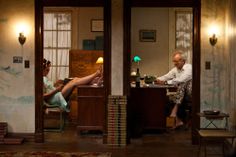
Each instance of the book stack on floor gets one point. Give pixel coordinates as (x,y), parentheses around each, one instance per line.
(4,139)
(117,132)
(3,131)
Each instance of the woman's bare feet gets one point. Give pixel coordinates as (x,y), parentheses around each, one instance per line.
(99,72)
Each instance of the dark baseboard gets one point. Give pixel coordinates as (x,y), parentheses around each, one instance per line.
(28,137)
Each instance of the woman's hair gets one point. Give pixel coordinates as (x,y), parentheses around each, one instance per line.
(46,63)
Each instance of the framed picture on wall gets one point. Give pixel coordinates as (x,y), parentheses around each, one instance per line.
(97,25)
(147,35)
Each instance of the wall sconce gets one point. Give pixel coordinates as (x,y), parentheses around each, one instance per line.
(213,40)
(22,38)
(213,30)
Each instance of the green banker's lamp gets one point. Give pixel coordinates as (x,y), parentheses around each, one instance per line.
(137,59)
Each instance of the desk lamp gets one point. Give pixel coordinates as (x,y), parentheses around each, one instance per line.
(99,60)
(137,59)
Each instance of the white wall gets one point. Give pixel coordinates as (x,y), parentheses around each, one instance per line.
(154,55)
(117,47)
(85,15)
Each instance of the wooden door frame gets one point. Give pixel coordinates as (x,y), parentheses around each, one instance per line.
(39,5)
(196,6)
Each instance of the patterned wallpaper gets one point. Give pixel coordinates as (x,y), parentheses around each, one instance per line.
(16,82)
(218,83)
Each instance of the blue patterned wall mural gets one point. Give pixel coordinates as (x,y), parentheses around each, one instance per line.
(17,100)
(218,82)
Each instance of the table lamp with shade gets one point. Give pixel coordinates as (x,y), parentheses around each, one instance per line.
(99,62)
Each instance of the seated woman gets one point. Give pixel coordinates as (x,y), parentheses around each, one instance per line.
(58,93)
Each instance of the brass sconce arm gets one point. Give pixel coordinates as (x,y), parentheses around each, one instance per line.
(22,38)
(213,40)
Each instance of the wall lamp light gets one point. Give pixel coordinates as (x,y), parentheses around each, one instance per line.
(213,32)
(22,38)
(213,40)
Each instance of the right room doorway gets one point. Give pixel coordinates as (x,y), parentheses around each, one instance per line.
(154,30)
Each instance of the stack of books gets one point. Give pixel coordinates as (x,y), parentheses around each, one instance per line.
(117,115)
(4,139)
(3,131)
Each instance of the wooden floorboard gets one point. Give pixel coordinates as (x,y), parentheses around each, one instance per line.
(165,144)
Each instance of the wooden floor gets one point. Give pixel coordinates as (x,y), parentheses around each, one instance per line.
(167,144)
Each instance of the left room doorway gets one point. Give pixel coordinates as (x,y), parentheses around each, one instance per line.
(77,38)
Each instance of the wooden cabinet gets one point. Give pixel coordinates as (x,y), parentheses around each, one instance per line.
(83,62)
(91,108)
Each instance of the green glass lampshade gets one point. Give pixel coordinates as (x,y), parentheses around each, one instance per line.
(136,59)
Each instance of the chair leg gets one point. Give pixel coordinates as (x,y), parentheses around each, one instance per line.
(200,146)
(205,149)
(223,146)
(62,121)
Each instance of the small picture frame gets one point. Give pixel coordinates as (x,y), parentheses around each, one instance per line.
(147,35)
(97,25)
(17,59)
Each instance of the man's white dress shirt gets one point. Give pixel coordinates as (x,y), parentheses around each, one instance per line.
(176,76)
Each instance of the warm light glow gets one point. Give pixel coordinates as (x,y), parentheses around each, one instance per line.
(213,29)
(22,27)
(99,60)
(213,33)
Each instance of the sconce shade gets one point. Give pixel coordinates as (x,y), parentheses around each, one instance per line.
(136,59)
(99,60)
(213,40)
(21,38)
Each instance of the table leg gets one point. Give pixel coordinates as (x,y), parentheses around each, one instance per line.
(200,145)
(211,122)
(205,148)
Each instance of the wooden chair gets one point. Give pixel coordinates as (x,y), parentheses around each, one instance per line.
(216,136)
(53,113)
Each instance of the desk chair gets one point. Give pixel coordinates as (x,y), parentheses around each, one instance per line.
(53,112)
(214,135)
(185,111)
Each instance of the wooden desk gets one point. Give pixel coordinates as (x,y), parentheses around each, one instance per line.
(91,108)
(146,109)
